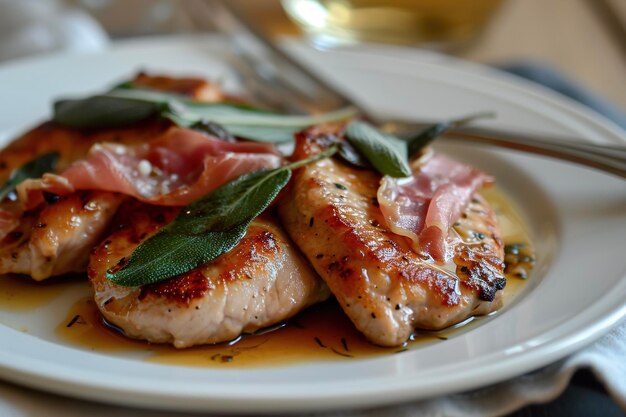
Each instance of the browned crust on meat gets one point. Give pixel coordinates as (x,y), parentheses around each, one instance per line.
(73,144)
(196,88)
(136,222)
(45,242)
(181,289)
(18,255)
(237,264)
(260,282)
(480,265)
(381,283)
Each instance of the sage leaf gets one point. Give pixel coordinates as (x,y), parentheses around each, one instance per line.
(234,203)
(206,228)
(213,129)
(253,124)
(417,142)
(385,152)
(133,91)
(203,230)
(104,111)
(168,254)
(32,169)
(124,106)
(352,156)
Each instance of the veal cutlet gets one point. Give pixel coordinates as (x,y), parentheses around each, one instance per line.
(262,281)
(55,237)
(386,288)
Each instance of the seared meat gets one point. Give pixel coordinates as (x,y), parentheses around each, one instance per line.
(262,281)
(196,88)
(57,236)
(69,232)
(386,288)
(56,239)
(73,144)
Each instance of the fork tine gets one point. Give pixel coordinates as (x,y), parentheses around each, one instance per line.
(273,73)
(285,80)
(256,89)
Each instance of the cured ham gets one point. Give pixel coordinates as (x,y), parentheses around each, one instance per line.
(424,207)
(50,229)
(173,170)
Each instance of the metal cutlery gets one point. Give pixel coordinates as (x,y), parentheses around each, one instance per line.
(276,80)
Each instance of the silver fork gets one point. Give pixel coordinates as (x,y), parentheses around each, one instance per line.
(276,80)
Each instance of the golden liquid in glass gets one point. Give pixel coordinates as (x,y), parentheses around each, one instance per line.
(443,23)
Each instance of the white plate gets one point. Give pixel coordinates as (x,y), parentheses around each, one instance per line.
(577,217)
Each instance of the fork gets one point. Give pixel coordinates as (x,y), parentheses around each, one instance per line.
(274,79)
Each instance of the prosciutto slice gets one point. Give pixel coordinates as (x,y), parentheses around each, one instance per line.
(424,207)
(173,170)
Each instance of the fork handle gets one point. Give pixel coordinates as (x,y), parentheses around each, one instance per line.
(293,85)
(611,159)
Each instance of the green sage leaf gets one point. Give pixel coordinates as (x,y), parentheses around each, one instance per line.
(352,156)
(385,152)
(32,169)
(122,107)
(104,111)
(130,90)
(417,142)
(253,124)
(203,230)
(206,228)
(168,254)
(214,129)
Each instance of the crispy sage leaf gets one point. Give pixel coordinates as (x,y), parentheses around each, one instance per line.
(32,169)
(103,111)
(214,129)
(426,136)
(122,107)
(253,124)
(203,230)
(385,152)
(206,228)
(352,156)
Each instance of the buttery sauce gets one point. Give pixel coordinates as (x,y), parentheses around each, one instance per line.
(21,293)
(322,332)
(514,233)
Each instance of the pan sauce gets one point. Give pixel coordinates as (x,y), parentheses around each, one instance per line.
(321,332)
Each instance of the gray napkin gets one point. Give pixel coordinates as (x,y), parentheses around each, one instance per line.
(551,78)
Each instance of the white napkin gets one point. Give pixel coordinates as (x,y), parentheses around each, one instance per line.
(606,358)
(34,26)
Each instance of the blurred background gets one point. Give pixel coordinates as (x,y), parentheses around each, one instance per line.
(583,40)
